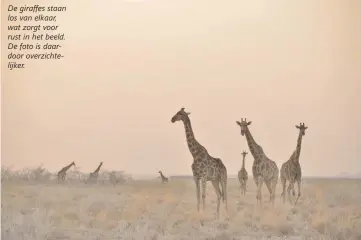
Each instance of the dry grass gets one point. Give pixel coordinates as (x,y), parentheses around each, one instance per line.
(327,209)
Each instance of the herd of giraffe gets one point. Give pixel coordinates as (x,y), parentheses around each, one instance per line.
(93,176)
(207,168)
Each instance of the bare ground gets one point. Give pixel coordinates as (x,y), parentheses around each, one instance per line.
(327,209)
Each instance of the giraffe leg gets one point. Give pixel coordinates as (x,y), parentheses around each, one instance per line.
(204,184)
(245,187)
(268,185)
(290,186)
(221,190)
(299,189)
(60,178)
(218,192)
(283,194)
(241,187)
(273,188)
(225,197)
(66,180)
(198,193)
(259,189)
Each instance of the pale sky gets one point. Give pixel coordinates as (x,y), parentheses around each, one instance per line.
(129,66)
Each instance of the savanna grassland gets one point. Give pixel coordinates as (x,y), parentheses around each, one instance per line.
(327,209)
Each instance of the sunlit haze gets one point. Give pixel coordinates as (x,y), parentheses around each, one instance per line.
(129,66)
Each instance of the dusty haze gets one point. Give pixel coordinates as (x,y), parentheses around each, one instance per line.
(130,66)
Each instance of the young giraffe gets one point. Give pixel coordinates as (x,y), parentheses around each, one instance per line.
(62,173)
(243,175)
(205,167)
(164,179)
(264,169)
(93,177)
(291,170)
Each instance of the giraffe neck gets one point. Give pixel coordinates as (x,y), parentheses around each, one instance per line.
(243,162)
(298,148)
(67,167)
(254,148)
(193,144)
(161,175)
(98,169)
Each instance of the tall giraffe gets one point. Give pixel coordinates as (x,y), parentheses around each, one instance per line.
(164,178)
(291,170)
(205,167)
(62,173)
(93,177)
(264,169)
(243,175)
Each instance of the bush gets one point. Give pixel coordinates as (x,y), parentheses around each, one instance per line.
(42,175)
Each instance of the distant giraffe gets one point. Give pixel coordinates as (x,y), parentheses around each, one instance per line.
(62,173)
(93,177)
(205,167)
(243,175)
(164,179)
(263,169)
(113,178)
(291,170)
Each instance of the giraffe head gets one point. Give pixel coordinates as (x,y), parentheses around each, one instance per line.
(181,115)
(244,125)
(159,171)
(302,128)
(244,153)
(72,163)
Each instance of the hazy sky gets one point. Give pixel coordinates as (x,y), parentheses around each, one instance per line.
(129,66)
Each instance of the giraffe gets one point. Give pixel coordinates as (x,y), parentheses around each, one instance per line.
(205,167)
(291,169)
(62,173)
(264,169)
(93,177)
(164,179)
(243,175)
(113,178)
